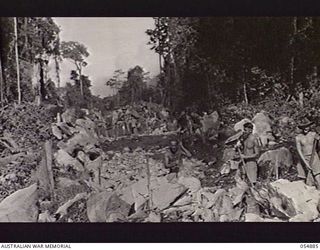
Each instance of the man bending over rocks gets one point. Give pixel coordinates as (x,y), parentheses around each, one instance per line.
(173,159)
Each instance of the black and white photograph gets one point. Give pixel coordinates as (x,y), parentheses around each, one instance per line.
(159,119)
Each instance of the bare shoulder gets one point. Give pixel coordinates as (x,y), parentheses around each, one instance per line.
(313,134)
(167,152)
(253,138)
(298,137)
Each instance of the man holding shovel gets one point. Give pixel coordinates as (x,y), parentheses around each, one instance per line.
(250,153)
(309,166)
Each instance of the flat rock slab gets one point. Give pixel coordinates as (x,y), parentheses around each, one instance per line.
(163,192)
(250,217)
(193,184)
(20,206)
(304,199)
(101,207)
(166,193)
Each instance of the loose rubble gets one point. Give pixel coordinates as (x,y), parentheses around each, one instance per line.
(84,182)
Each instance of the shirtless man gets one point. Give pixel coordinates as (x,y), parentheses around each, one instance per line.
(173,158)
(309,167)
(250,153)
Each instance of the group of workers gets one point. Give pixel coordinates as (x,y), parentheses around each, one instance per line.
(141,118)
(125,121)
(248,148)
(307,143)
(130,120)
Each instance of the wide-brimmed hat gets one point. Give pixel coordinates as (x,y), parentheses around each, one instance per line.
(305,123)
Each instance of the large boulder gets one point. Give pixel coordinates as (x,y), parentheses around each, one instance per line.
(263,128)
(107,207)
(21,206)
(88,125)
(65,160)
(269,199)
(304,199)
(239,125)
(262,122)
(78,142)
(278,158)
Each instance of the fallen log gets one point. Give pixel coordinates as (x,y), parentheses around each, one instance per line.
(63,210)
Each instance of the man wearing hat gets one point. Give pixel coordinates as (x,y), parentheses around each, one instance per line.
(309,166)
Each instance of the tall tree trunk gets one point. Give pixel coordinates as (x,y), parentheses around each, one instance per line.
(168,85)
(41,81)
(301,95)
(132,94)
(1,69)
(23,51)
(57,70)
(160,63)
(1,83)
(157,22)
(245,93)
(17,58)
(80,81)
(118,99)
(292,60)
(209,89)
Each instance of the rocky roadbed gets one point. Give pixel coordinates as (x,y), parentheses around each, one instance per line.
(81,178)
